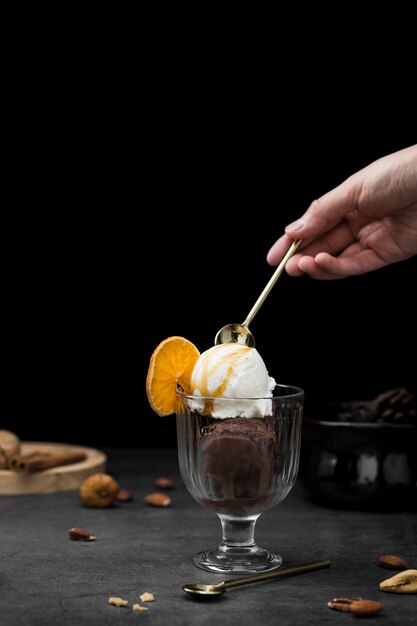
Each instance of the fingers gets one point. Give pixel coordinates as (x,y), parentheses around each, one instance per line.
(334,242)
(354,265)
(353,260)
(292,267)
(278,250)
(324,266)
(323,224)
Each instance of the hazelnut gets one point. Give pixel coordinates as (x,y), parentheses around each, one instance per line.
(98,490)
(9,447)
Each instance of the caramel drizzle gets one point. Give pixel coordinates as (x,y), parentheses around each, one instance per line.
(208,370)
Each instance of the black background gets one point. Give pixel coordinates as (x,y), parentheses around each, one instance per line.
(149,213)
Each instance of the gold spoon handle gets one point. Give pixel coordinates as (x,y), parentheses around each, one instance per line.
(286,571)
(293,248)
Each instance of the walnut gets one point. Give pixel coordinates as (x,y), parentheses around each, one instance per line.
(99,490)
(147,597)
(9,447)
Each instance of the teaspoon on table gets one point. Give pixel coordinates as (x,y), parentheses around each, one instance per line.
(202,589)
(240,333)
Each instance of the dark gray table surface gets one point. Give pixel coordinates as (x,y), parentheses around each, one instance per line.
(47,579)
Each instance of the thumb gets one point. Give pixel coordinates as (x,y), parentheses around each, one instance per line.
(325,212)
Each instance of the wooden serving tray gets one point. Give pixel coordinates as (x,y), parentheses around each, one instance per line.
(55,479)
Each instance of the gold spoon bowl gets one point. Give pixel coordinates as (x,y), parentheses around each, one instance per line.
(240,333)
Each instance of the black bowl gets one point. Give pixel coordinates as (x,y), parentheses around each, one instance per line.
(360,465)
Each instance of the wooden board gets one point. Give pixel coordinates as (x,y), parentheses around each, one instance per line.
(55,479)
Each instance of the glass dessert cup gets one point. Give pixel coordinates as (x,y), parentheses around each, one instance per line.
(239,467)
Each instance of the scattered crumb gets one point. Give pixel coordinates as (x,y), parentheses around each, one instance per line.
(138,607)
(118,602)
(147,597)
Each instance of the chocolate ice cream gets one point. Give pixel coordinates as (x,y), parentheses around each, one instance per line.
(239,465)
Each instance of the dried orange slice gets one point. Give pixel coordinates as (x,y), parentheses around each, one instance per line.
(171,365)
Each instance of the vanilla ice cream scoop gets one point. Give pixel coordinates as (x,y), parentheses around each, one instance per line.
(232,370)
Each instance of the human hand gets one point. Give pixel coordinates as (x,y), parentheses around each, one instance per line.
(365,223)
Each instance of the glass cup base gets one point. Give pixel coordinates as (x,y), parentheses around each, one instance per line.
(238,560)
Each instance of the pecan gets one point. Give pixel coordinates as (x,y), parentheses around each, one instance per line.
(342,604)
(366,607)
(403,582)
(164,483)
(79,534)
(390,561)
(124,495)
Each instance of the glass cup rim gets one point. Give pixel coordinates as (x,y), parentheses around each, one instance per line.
(298,392)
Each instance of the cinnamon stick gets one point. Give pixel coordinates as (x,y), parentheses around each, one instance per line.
(36,461)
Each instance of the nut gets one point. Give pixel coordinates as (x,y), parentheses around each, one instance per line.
(98,490)
(158,499)
(138,607)
(9,447)
(392,562)
(404,582)
(79,534)
(164,483)
(342,604)
(147,597)
(118,601)
(357,606)
(366,607)
(124,495)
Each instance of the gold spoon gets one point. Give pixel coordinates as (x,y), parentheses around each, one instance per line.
(201,589)
(240,333)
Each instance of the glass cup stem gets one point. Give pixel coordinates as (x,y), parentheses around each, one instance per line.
(238,551)
(237,532)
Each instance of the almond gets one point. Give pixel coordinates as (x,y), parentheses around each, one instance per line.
(389,561)
(158,499)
